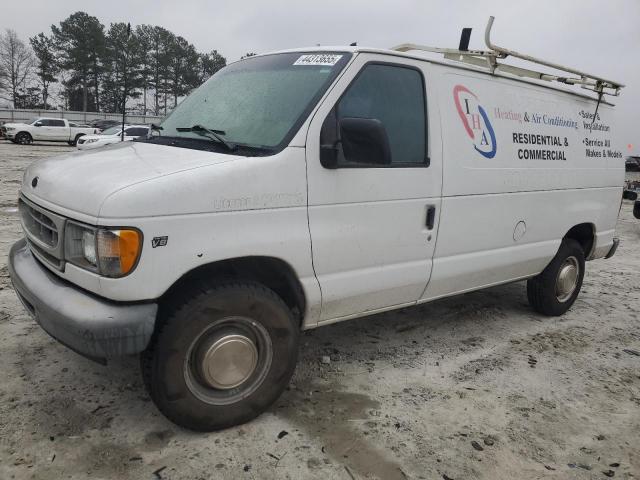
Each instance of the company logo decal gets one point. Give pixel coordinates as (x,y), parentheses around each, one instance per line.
(475,121)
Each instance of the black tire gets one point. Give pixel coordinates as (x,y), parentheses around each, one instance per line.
(547,293)
(195,325)
(24,138)
(74,142)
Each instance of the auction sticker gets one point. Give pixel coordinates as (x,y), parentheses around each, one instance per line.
(318,59)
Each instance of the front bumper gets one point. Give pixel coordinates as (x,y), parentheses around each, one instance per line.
(91,326)
(614,247)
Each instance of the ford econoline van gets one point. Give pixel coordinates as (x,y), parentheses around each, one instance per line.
(305,187)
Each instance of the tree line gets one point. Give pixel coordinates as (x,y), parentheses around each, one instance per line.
(88,65)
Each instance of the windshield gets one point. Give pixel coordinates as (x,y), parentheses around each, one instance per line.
(257,102)
(31,121)
(111,131)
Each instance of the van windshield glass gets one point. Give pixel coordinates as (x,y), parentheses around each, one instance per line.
(257,102)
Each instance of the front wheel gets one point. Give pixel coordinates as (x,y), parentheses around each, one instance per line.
(553,291)
(23,138)
(222,356)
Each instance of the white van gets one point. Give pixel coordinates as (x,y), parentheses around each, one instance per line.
(305,187)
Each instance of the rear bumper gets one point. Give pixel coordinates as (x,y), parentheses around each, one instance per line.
(91,326)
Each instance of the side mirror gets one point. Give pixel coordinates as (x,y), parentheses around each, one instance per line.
(629,195)
(38,124)
(636,209)
(365,141)
(329,141)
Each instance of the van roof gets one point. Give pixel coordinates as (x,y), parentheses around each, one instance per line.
(448,63)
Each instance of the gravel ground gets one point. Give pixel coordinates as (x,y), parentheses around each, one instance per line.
(476,386)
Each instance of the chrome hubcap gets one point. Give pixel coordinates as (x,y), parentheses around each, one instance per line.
(567,280)
(229,361)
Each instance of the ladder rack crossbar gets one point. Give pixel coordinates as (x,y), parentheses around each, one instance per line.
(489,59)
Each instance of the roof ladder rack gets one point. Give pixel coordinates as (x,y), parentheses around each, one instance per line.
(489,59)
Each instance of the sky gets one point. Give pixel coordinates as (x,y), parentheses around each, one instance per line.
(596,36)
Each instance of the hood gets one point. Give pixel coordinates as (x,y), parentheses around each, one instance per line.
(81,181)
(100,136)
(16,125)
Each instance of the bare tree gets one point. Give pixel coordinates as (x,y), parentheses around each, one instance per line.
(16,65)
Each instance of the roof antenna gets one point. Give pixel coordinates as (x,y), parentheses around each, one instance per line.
(354,44)
(464,40)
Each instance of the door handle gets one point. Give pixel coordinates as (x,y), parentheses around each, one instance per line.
(431,216)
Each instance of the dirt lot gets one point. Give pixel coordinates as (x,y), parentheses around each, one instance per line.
(476,386)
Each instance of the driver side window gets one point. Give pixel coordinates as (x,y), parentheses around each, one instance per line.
(394,97)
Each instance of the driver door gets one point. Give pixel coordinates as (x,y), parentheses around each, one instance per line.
(373,226)
(42,130)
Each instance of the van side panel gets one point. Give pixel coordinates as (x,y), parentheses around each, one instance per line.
(522,165)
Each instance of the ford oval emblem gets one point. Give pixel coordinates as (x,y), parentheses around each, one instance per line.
(34,182)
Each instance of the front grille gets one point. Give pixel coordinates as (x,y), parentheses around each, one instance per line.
(44,231)
(39,225)
(42,254)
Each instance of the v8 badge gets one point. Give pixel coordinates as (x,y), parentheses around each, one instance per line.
(159,241)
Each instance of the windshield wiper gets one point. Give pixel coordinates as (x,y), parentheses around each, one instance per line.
(209,133)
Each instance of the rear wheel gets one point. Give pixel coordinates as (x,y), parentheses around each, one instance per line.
(222,356)
(554,290)
(23,138)
(74,142)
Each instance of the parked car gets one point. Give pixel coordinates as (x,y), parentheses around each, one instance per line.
(102,124)
(46,129)
(300,188)
(112,135)
(632,164)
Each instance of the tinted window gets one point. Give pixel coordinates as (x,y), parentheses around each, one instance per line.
(53,123)
(135,132)
(395,96)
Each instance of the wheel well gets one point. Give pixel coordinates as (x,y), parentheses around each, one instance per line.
(584,234)
(272,272)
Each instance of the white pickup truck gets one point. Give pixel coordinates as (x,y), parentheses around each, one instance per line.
(46,129)
(301,188)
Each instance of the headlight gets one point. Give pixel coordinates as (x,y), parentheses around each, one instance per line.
(91,140)
(9,129)
(108,252)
